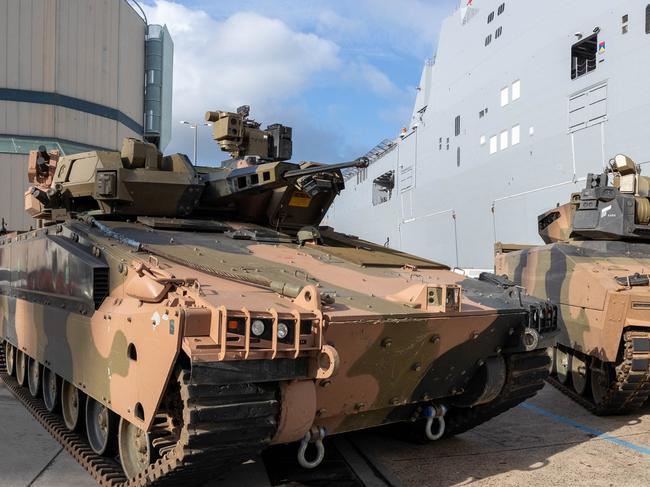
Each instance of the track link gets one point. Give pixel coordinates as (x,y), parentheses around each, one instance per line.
(630,388)
(526,373)
(222,426)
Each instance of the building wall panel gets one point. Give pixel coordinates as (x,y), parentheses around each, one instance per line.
(4,36)
(24,37)
(13,174)
(13,44)
(130,54)
(87,50)
(49,45)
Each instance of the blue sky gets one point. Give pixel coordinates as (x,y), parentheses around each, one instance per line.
(343,74)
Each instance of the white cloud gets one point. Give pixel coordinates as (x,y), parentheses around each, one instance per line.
(268,54)
(378,28)
(245,59)
(368,76)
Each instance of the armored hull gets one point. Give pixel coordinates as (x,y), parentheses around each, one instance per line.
(197,342)
(602,355)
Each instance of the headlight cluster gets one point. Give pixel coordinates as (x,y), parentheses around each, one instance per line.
(258,327)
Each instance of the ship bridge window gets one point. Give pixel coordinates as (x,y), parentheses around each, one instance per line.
(503,140)
(647,19)
(493,144)
(488,40)
(515,135)
(498,32)
(516,90)
(457,126)
(583,56)
(382,188)
(501,9)
(505,96)
(490,17)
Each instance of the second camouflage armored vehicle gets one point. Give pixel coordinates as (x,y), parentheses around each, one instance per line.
(188,317)
(595,267)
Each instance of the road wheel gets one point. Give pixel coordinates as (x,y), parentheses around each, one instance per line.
(579,374)
(21,367)
(101,427)
(601,379)
(51,389)
(562,366)
(72,400)
(10,358)
(34,370)
(136,450)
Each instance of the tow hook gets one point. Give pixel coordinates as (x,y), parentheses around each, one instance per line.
(435,414)
(314,435)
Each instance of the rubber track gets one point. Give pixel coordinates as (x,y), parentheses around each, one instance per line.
(526,373)
(206,450)
(631,388)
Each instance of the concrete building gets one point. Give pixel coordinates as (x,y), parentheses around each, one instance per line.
(73,77)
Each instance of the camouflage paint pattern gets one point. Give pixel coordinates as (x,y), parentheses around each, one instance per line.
(580,278)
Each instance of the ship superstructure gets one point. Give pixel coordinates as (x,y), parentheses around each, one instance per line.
(520,102)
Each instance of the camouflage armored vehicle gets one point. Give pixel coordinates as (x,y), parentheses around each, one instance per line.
(595,266)
(188,317)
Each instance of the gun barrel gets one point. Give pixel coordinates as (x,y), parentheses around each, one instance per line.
(299,173)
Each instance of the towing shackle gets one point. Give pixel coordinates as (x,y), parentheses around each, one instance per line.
(314,435)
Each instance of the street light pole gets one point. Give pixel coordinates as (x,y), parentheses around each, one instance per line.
(195,126)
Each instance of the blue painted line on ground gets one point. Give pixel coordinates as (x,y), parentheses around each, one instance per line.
(587,429)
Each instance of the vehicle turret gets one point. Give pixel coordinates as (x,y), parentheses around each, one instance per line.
(614,205)
(258,186)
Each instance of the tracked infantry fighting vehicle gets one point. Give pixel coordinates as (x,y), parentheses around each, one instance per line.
(595,266)
(188,317)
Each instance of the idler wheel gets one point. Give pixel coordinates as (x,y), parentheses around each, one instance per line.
(601,379)
(562,366)
(136,450)
(101,427)
(579,374)
(10,358)
(21,367)
(72,401)
(51,390)
(34,370)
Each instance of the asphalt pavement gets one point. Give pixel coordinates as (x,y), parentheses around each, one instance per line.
(547,441)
